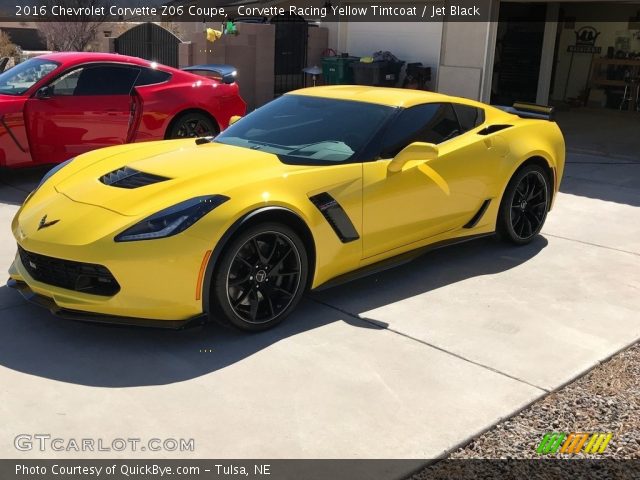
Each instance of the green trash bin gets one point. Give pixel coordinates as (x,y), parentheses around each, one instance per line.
(336,71)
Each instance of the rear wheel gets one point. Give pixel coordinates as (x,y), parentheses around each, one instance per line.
(524,205)
(191,125)
(261,277)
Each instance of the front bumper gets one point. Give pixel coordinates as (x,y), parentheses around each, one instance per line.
(49,304)
(158,284)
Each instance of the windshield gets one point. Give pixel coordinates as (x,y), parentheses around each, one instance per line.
(23,76)
(301,129)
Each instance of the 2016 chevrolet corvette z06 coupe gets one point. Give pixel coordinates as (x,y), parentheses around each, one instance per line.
(312,187)
(57,106)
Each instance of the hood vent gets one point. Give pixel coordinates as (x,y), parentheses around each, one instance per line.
(126,177)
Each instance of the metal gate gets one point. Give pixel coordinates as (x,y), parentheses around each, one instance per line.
(290,52)
(151,42)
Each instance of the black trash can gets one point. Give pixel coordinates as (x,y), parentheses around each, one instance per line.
(380,74)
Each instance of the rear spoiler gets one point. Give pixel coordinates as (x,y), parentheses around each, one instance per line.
(227,73)
(531,110)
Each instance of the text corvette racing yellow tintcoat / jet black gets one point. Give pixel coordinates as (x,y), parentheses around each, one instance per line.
(315,186)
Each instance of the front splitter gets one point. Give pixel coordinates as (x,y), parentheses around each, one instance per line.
(77,315)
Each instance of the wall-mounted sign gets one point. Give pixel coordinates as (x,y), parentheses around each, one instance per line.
(585,41)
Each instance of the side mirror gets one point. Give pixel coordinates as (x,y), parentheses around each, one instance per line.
(44,92)
(415,151)
(234,119)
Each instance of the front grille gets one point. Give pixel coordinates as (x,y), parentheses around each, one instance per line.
(126,177)
(81,277)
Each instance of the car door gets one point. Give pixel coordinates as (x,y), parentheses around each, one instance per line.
(429,197)
(86,108)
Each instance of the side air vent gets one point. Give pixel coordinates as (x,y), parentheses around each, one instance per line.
(478,215)
(493,129)
(126,177)
(335,216)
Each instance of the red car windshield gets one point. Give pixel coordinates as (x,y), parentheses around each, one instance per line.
(23,76)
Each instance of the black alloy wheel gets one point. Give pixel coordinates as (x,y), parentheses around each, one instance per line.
(192,125)
(525,205)
(263,275)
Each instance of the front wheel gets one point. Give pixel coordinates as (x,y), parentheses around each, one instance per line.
(524,205)
(261,277)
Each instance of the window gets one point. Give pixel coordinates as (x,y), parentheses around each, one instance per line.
(150,76)
(469,117)
(431,123)
(308,130)
(97,80)
(66,84)
(22,77)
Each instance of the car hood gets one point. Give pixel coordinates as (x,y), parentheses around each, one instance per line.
(190,170)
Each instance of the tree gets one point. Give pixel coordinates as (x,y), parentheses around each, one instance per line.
(7,47)
(73,36)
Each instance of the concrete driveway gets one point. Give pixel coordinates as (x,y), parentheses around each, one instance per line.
(405,364)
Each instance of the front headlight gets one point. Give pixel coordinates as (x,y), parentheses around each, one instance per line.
(172,220)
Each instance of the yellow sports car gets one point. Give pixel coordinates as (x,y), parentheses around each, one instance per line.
(313,187)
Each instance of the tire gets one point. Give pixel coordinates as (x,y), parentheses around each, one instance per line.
(261,277)
(192,125)
(524,205)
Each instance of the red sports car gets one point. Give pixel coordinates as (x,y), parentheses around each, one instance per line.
(54,107)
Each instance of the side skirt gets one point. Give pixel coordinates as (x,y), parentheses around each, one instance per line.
(395,261)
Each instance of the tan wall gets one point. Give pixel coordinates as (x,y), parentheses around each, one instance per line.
(317,43)
(251,52)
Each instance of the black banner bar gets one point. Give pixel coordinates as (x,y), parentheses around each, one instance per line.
(543,468)
(218,11)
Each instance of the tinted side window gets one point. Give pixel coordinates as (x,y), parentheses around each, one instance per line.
(106,80)
(66,84)
(469,117)
(149,76)
(431,123)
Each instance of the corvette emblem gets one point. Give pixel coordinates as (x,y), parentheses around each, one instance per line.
(44,224)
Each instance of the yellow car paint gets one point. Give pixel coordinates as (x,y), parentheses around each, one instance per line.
(162,279)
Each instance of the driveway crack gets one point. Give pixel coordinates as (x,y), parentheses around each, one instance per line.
(591,244)
(385,326)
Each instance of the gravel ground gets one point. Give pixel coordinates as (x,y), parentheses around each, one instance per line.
(607,399)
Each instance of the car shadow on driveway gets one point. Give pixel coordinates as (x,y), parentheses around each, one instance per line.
(37,343)
(15,185)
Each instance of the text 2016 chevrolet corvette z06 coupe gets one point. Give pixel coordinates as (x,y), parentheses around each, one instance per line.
(320,183)
(54,107)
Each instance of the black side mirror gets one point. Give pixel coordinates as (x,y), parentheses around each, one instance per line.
(44,92)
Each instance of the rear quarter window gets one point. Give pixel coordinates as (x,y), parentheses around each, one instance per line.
(468,117)
(150,76)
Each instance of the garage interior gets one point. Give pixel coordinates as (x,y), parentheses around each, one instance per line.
(571,55)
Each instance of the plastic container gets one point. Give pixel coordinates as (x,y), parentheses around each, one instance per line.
(336,71)
(381,74)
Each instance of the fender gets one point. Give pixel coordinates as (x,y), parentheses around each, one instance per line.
(217,250)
